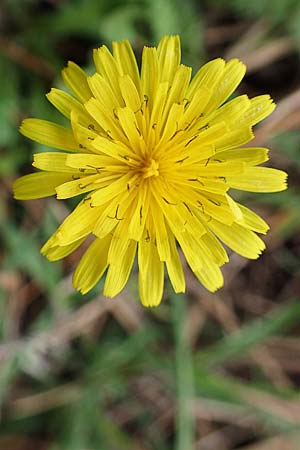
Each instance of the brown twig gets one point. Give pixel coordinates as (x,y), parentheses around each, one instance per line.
(26,59)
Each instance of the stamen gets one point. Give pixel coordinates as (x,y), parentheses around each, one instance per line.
(169,203)
(215,202)
(180,161)
(188,208)
(147,238)
(191,140)
(141,215)
(98,169)
(151,170)
(116,215)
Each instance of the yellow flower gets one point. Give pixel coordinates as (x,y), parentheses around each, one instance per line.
(155,152)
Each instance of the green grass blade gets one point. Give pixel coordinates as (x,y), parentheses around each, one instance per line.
(236,344)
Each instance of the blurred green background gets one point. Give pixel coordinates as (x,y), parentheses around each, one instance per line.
(203,371)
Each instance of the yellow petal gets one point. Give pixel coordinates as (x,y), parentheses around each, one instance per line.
(38,185)
(108,68)
(239,239)
(78,185)
(207,136)
(64,102)
(219,169)
(178,88)
(52,161)
(252,221)
(120,241)
(151,273)
(217,250)
(78,224)
(113,189)
(140,212)
(112,213)
(105,118)
(116,150)
(169,54)
(51,243)
(214,185)
(91,162)
(176,214)
(234,138)
(149,75)
(207,76)
(210,276)
(191,248)
(234,208)
(130,127)
(130,93)
(231,111)
(85,134)
(117,214)
(232,75)
(259,108)
(161,233)
(214,205)
(195,107)
(174,267)
(119,269)
(49,134)
(76,80)
(155,127)
(92,265)
(248,155)
(259,179)
(171,125)
(125,59)
(59,252)
(103,92)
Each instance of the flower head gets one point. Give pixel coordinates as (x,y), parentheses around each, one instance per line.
(155,153)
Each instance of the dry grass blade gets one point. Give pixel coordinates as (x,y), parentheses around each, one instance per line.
(276,443)
(267,54)
(26,59)
(285,109)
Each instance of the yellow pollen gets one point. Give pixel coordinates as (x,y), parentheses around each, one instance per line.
(151,169)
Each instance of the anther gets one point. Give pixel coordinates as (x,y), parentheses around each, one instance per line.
(169,203)
(180,161)
(191,140)
(188,208)
(116,215)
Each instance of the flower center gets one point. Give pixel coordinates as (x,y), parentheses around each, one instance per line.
(150,169)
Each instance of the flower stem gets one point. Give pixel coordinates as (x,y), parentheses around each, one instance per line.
(185,422)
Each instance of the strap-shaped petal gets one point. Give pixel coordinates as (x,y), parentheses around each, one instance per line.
(259,179)
(210,276)
(174,267)
(38,185)
(239,239)
(76,80)
(92,265)
(126,61)
(49,133)
(151,272)
(120,266)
